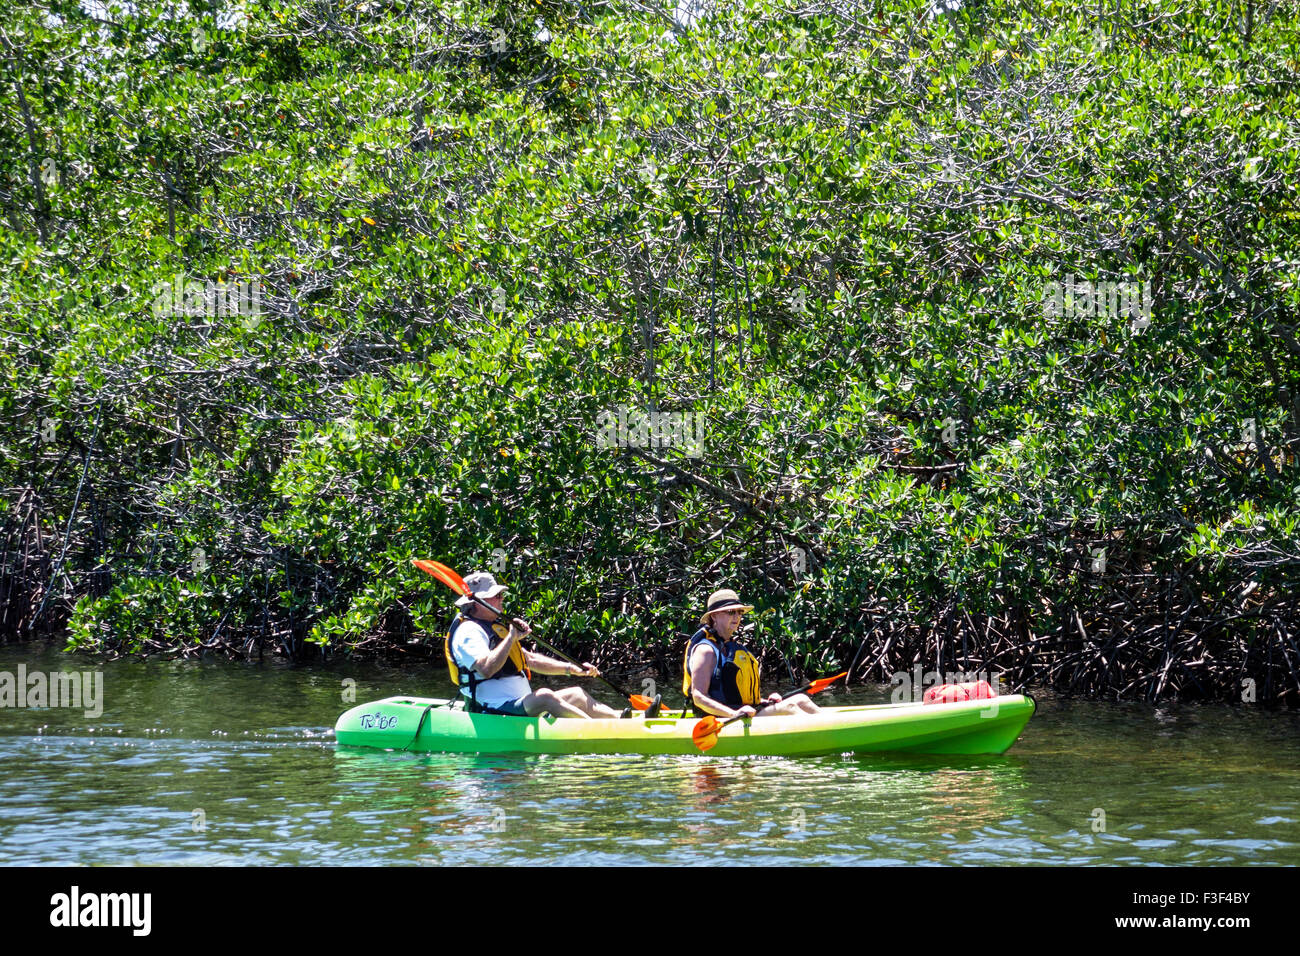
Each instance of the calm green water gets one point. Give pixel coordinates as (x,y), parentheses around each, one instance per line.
(251,746)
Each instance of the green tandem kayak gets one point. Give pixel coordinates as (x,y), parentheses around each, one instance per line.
(426,724)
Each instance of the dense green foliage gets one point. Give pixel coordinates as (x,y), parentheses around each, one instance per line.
(827,229)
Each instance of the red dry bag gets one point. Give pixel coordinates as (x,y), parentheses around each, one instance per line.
(952,693)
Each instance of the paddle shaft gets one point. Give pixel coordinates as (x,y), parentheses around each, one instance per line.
(705,734)
(798,690)
(537,640)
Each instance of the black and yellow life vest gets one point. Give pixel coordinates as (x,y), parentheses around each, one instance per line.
(736,673)
(469,679)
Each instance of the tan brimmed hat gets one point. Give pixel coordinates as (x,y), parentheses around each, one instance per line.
(724,600)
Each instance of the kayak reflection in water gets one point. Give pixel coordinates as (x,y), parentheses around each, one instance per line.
(492,670)
(720,676)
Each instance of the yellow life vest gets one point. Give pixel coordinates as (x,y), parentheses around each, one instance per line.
(463,678)
(736,677)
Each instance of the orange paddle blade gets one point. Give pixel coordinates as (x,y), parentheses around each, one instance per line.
(444,574)
(640,703)
(820,685)
(705,734)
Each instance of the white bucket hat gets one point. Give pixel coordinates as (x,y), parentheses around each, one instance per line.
(481,584)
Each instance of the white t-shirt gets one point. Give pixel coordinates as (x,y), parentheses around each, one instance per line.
(469,643)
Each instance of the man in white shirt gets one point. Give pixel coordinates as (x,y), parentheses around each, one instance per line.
(492,666)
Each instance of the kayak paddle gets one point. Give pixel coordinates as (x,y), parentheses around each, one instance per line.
(454,581)
(707,728)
